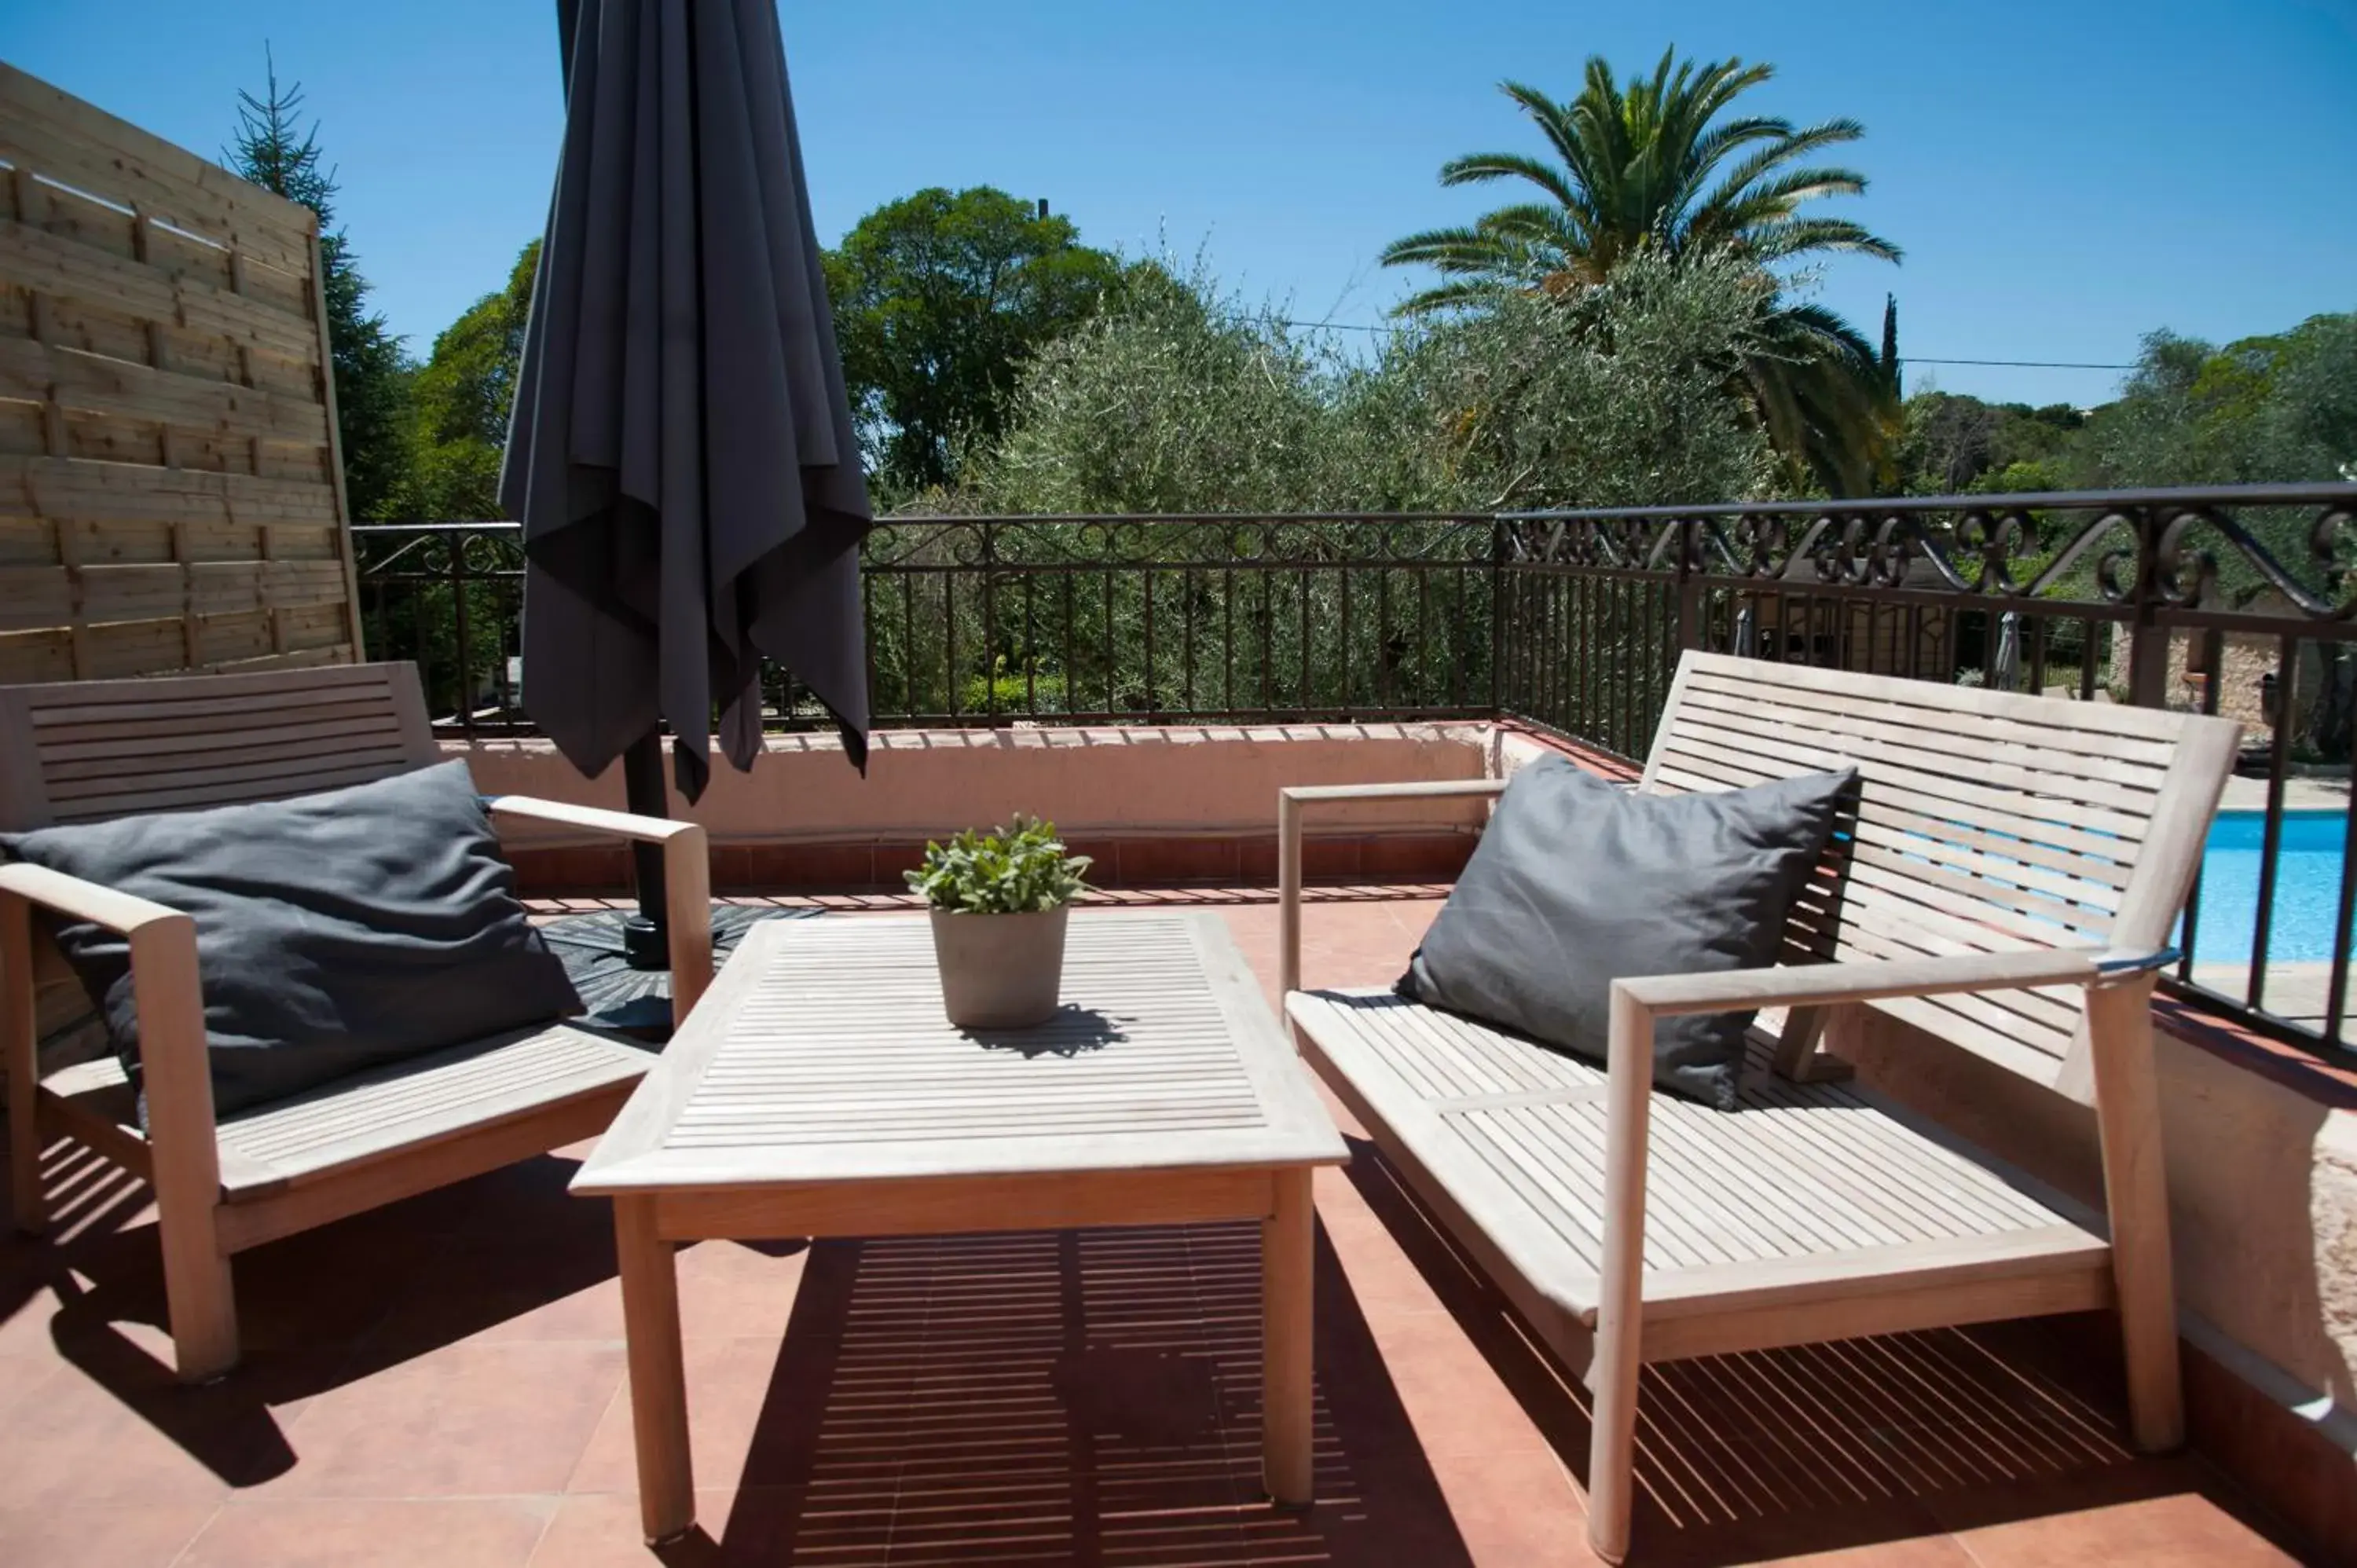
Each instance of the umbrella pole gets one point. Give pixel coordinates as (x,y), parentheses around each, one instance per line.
(645,942)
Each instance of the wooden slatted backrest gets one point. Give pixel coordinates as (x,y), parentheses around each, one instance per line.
(1986,821)
(86,751)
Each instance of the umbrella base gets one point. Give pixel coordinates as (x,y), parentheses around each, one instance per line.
(645,944)
(617,992)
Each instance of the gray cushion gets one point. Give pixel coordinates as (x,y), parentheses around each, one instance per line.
(335,932)
(1575,883)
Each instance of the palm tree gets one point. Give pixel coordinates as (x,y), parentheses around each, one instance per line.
(1653,166)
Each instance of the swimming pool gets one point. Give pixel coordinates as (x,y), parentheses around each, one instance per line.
(2307,892)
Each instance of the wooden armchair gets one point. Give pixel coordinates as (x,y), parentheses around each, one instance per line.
(2009,881)
(90,751)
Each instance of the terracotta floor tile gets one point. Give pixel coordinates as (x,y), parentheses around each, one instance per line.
(738,1290)
(764,1528)
(115,1428)
(120,1536)
(1516,1509)
(1891,1534)
(2153,1512)
(1453,1399)
(468,1419)
(283,1532)
(730,1384)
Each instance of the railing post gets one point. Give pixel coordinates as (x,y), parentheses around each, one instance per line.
(464,633)
(1497,617)
(1690,588)
(2147,639)
(989,626)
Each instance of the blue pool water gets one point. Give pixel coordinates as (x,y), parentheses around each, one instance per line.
(2307,892)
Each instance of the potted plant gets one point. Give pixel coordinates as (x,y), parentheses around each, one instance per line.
(1000,903)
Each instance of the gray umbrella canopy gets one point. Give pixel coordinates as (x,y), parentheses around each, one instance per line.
(682,454)
(2005,669)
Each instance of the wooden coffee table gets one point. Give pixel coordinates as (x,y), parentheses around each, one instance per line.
(817,1090)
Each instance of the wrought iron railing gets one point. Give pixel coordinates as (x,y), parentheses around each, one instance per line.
(1045,619)
(2239,600)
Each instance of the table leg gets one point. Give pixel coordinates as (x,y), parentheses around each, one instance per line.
(1287,1252)
(657,1377)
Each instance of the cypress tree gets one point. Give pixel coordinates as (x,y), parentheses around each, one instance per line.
(1891,344)
(372,374)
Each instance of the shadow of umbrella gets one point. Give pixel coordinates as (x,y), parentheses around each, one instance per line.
(621,994)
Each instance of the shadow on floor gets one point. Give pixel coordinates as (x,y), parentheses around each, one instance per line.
(316,1311)
(1822,1448)
(1074,1397)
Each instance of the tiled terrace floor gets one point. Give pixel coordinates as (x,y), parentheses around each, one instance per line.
(441,1383)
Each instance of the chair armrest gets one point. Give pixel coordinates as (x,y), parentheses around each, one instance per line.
(687,881)
(1821,984)
(174,1069)
(1289,803)
(126,914)
(590,819)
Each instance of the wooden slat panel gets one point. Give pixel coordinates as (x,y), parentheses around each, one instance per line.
(1825,749)
(52,264)
(100,384)
(318,1137)
(164,403)
(195,797)
(1836,708)
(83,145)
(2099,718)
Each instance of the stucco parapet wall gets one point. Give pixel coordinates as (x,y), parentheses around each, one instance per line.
(1176,780)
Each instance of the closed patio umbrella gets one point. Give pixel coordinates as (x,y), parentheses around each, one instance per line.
(681,453)
(2004,667)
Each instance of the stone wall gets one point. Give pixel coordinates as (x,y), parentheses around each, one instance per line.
(2247,659)
(1152,804)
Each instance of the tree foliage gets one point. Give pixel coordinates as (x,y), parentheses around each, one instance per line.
(939,300)
(461,401)
(2281,407)
(1177,399)
(272,149)
(1950,445)
(1660,166)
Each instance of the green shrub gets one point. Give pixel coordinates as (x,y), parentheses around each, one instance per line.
(1008,690)
(1019,869)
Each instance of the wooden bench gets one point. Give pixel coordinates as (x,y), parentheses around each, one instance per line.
(88,751)
(2012,873)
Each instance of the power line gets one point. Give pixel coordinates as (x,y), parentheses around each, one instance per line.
(2023,364)
(1904,358)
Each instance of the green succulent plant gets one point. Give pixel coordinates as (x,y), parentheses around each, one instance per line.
(1019,869)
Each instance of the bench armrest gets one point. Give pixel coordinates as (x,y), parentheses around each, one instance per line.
(1824,984)
(1628,1063)
(1289,803)
(688,880)
(174,1071)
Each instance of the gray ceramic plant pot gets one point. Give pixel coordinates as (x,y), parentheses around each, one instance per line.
(1000,971)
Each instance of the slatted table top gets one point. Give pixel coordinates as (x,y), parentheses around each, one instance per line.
(821,1055)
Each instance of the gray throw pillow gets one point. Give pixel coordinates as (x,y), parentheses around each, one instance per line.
(1575,883)
(335,932)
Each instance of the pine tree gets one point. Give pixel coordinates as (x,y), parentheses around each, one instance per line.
(371,373)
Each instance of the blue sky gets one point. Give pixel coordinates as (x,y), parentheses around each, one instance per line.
(2064,176)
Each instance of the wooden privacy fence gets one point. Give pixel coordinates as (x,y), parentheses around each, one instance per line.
(171,495)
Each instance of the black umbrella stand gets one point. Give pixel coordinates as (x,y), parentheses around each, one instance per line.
(619,960)
(645,940)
